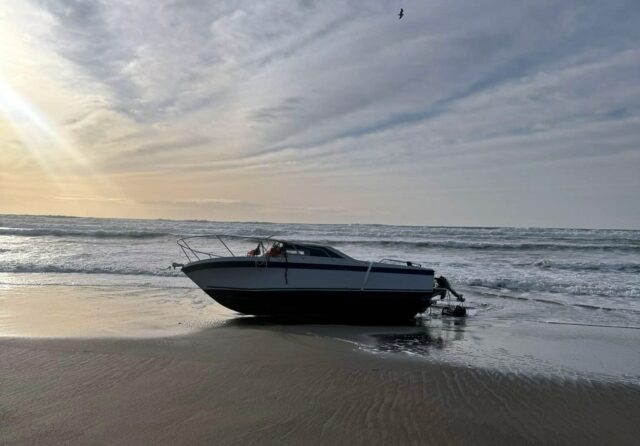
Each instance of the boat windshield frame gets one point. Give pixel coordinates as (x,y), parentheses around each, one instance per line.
(264,246)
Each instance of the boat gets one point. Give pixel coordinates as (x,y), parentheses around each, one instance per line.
(285,278)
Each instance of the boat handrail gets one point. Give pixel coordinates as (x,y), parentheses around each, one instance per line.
(195,253)
(404,262)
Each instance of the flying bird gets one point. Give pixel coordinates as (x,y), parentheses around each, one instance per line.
(401,14)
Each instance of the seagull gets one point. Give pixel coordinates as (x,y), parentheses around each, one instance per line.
(401,14)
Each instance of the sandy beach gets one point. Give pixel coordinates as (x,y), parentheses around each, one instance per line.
(249,382)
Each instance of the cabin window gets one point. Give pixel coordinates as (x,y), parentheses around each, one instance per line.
(334,254)
(311,251)
(317,252)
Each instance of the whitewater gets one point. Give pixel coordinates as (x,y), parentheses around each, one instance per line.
(556,271)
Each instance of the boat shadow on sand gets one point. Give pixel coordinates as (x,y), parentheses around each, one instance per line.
(417,337)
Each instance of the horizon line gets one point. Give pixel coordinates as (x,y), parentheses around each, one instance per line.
(327,224)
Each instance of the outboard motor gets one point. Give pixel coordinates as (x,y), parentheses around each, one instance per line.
(450,310)
(443,283)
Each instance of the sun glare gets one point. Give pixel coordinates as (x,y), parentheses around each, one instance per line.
(35,131)
(46,143)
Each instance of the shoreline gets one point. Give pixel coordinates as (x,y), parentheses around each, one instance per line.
(229,385)
(494,336)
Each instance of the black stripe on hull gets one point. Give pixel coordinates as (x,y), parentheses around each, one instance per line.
(356,304)
(292,265)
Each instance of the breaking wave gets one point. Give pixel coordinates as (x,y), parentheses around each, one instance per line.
(99,233)
(540,285)
(586,266)
(489,246)
(34,268)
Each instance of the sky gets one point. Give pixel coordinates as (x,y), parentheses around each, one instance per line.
(462,113)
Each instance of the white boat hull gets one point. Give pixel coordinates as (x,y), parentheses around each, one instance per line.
(300,285)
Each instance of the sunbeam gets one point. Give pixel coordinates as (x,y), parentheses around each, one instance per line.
(38,135)
(46,144)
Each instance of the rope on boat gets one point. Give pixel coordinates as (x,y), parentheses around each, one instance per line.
(286,266)
(366,276)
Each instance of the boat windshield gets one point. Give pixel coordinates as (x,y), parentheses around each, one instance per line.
(209,246)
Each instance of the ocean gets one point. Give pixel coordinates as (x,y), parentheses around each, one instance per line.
(542,276)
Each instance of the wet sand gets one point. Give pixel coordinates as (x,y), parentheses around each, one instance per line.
(91,365)
(233,385)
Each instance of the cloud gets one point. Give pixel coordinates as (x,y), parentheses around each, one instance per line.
(270,114)
(356,76)
(93,198)
(223,202)
(156,148)
(291,90)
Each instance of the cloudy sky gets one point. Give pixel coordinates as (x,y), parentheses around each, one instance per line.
(465,112)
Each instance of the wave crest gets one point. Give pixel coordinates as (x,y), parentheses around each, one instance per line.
(544,286)
(34,268)
(99,233)
(586,266)
(489,246)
